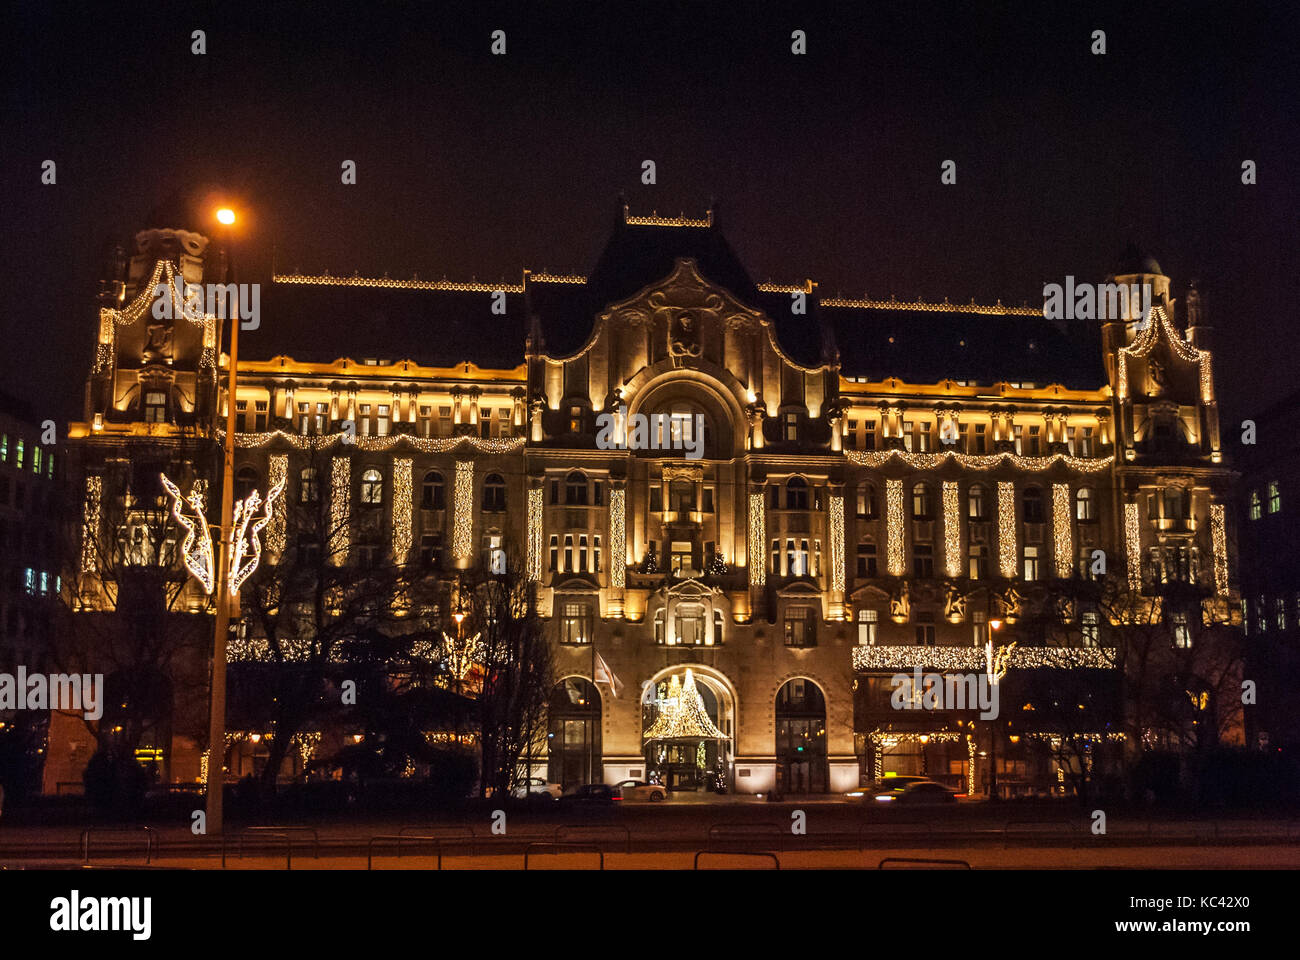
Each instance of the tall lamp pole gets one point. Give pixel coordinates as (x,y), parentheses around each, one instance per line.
(993,730)
(217,716)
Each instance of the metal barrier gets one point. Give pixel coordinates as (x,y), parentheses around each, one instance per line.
(397,838)
(281,832)
(1070,825)
(151,844)
(595,828)
(933,863)
(741,831)
(551,847)
(764,854)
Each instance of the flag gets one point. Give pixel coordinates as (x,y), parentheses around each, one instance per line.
(606,675)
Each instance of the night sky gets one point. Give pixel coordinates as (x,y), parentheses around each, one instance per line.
(824,166)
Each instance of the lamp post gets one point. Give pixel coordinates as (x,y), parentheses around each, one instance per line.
(217,709)
(993,732)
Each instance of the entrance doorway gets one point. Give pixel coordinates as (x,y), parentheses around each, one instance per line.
(573,733)
(800,738)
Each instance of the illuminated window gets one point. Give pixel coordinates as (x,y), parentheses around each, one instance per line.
(575,623)
(907,436)
(1261,615)
(322,417)
(977,500)
(922,436)
(494,556)
(790,423)
(796,494)
(1182,635)
(1085,442)
(382,420)
(363,425)
(979,562)
(1032,504)
(981,438)
(4,447)
(575,489)
(1279,609)
(979,627)
(595,554)
(575,419)
(1031,563)
(796,555)
(1019,435)
(1255,510)
(689,622)
(800,627)
(1085,504)
(432,492)
(1274,496)
(49,465)
(866,501)
(372,488)
(868,624)
(155,408)
(494,493)
(776,557)
(308,487)
(922,502)
(554,553)
(1090,629)
(1035,445)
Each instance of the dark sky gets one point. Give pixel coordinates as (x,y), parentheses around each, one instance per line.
(824,166)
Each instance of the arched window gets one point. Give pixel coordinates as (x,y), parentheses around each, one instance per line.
(432,492)
(796,494)
(245,482)
(1085,504)
(922,502)
(1032,504)
(372,488)
(575,489)
(494,493)
(867,500)
(659,626)
(977,501)
(308,488)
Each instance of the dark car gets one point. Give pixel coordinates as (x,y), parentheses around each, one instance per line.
(592,793)
(925,792)
(886,787)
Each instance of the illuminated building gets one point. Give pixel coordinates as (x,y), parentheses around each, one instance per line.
(879,480)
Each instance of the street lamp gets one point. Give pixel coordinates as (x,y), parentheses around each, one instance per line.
(993,733)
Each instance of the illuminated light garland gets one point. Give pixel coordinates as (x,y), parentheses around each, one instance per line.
(757,541)
(380,444)
(307,744)
(835,505)
(402,500)
(654,220)
(110,319)
(931,461)
(894,558)
(951,528)
(462,537)
(1055,739)
(325,280)
(975,659)
(257,649)
(682,714)
(617,537)
(340,539)
(244,541)
(90,511)
(1007,528)
(769,287)
(535,533)
(970,766)
(1219,535)
(1133,545)
(1146,341)
(1062,532)
(997,309)
(277,475)
(880,739)
(196,548)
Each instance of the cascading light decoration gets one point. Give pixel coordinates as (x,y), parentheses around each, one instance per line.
(90,523)
(462,537)
(535,533)
(894,558)
(277,475)
(617,537)
(757,538)
(402,500)
(245,547)
(196,548)
(164,275)
(974,659)
(1007,528)
(835,504)
(340,538)
(1219,536)
(951,529)
(1062,532)
(1133,545)
(1147,340)
(380,444)
(880,739)
(970,766)
(972,461)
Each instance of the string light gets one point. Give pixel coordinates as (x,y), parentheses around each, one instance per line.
(757,538)
(657,221)
(90,523)
(836,507)
(997,309)
(970,766)
(1133,545)
(244,541)
(968,659)
(462,542)
(1219,534)
(1007,528)
(402,498)
(535,533)
(1062,532)
(951,528)
(381,444)
(682,714)
(277,475)
(991,461)
(110,319)
(196,548)
(894,528)
(617,537)
(340,510)
(1146,341)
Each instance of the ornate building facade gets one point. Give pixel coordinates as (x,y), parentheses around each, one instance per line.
(880,485)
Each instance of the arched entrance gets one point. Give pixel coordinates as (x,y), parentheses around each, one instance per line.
(573,733)
(800,738)
(687,728)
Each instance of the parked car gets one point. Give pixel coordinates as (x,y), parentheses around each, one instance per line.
(925,792)
(888,786)
(640,790)
(592,793)
(537,787)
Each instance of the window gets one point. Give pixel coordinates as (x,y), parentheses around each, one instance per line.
(681,496)
(1085,442)
(981,438)
(866,559)
(689,623)
(790,426)
(800,627)
(868,624)
(595,554)
(4,447)
(555,553)
(598,493)
(494,493)
(1182,635)
(907,435)
(979,562)
(1031,563)
(308,488)
(923,561)
(979,627)
(575,623)
(868,434)
(155,409)
(1279,608)
(245,482)
(963,441)
(1035,445)
(925,629)
(1032,503)
(776,558)
(36,464)
(372,488)
(851,431)
(19,461)
(1019,434)
(922,502)
(568,552)
(494,555)
(922,435)
(1261,615)
(322,416)
(977,501)
(367,556)
(259,414)
(866,500)
(707,505)
(575,489)
(659,626)
(1254,505)
(1173,503)
(796,494)
(1274,496)
(363,418)
(432,492)
(1085,505)
(431,550)
(1090,629)
(582,553)
(308,550)
(575,419)
(796,557)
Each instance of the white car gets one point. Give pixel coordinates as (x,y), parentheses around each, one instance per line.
(640,790)
(537,787)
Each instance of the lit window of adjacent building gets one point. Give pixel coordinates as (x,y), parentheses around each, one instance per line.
(1255,510)
(979,562)
(868,625)
(1182,635)
(1090,629)
(1261,615)
(790,423)
(1031,563)
(19,455)
(4,447)
(36,464)
(155,409)
(800,627)
(977,500)
(1279,609)
(575,623)
(372,488)
(1274,496)
(49,465)
(1085,504)
(922,502)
